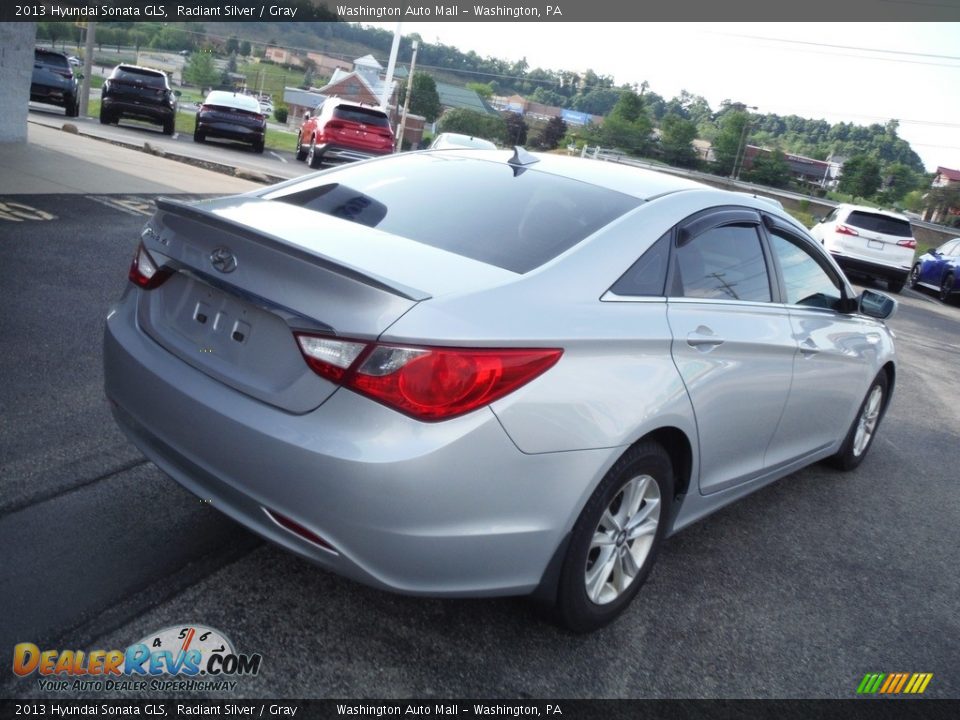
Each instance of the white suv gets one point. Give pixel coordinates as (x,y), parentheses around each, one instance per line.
(871,242)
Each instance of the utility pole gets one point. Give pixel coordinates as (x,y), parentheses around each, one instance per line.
(406,100)
(391,63)
(742,145)
(91,29)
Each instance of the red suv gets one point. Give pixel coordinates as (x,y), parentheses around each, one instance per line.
(345,131)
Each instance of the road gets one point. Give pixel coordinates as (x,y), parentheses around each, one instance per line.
(796,591)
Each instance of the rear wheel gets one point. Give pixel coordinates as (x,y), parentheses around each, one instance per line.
(198,137)
(71,106)
(946,287)
(314,156)
(105,117)
(169,127)
(895,286)
(615,540)
(860,436)
(258,146)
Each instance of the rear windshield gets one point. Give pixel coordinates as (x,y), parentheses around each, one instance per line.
(361,115)
(513,218)
(879,223)
(54,60)
(150,78)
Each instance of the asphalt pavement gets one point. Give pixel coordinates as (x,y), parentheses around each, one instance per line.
(794,592)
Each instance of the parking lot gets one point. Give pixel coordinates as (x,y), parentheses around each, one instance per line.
(797,591)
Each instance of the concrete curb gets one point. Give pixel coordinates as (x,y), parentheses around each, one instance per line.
(223,168)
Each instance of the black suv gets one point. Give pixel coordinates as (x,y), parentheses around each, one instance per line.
(141,93)
(53,81)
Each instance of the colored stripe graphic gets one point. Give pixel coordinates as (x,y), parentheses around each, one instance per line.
(894,683)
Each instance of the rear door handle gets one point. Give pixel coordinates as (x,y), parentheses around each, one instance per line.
(808,347)
(703,339)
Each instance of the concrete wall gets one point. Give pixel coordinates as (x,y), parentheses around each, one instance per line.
(16,68)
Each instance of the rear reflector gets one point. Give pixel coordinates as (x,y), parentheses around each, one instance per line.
(426,383)
(911,243)
(298,529)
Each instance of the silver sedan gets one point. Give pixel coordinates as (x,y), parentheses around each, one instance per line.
(472,373)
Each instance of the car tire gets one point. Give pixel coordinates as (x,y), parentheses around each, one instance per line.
(258,146)
(169,127)
(105,118)
(314,158)
(71,106)
(198,137)
(301,151)
(604,566)
(895,286)
(946,287)
(914,279)
(864,428)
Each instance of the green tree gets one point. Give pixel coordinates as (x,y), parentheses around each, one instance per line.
(233,45)
(424,98)
(727,144)
(471,122)
(551,134)
(516,129)
(676,137)
(770,169)
(484,90)
(199,70)
(245,48)
(860,176)
(628,126)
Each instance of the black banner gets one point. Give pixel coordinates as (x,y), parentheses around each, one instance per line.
(568,709)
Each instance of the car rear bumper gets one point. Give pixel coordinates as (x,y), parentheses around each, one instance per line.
(332,151)
(451,508)
(231,132)
(873,269)
(156,113)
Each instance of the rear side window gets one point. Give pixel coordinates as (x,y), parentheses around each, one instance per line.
(139,75)
(648,275)
(879,223)
(723,263)
(54,60)
(513,218)
(367,116)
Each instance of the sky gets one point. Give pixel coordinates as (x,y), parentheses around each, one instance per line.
(863,73)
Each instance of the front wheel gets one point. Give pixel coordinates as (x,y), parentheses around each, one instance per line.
(860,435)
(915,275)
(71,106)
(946,287)
(301,150)
(169,127)
(615,540)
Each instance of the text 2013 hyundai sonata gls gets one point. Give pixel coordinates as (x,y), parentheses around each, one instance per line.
(477,373)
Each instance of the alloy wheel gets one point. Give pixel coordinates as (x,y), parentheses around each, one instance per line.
(622,539)
(867,423)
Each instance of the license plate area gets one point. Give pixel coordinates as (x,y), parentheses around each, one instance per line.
(875,244)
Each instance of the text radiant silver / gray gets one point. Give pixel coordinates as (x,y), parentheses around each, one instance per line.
(471,373)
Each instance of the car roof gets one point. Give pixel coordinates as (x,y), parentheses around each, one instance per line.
(873,210)
(46,51)
(627,179)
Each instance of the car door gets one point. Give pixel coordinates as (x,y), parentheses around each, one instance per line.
(733,347)
(932,271)
(833,368)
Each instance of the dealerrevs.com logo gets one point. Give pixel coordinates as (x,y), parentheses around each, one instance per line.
(200,658)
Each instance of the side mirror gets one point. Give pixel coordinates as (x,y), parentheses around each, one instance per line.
(876,305)
(817,218)
(306,115)
(178,93)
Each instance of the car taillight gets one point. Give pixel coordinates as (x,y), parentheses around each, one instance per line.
(846,230)
(335,125)
(205,108)
(144,271)
(427,383)
(911,243)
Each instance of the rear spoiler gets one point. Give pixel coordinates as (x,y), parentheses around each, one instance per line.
(198,214)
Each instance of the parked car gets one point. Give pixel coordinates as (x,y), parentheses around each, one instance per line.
(938,270)
(141,93)
(231,116)
(74,61)
(876,243)
(468,373)
(266,108)
(53,81)
(341,130)
(456,140)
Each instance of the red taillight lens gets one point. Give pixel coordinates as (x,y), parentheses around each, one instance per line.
(846,230)
(427,383)
(911,243)
(144,271)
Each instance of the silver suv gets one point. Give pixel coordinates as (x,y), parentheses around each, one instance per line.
(871,242)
